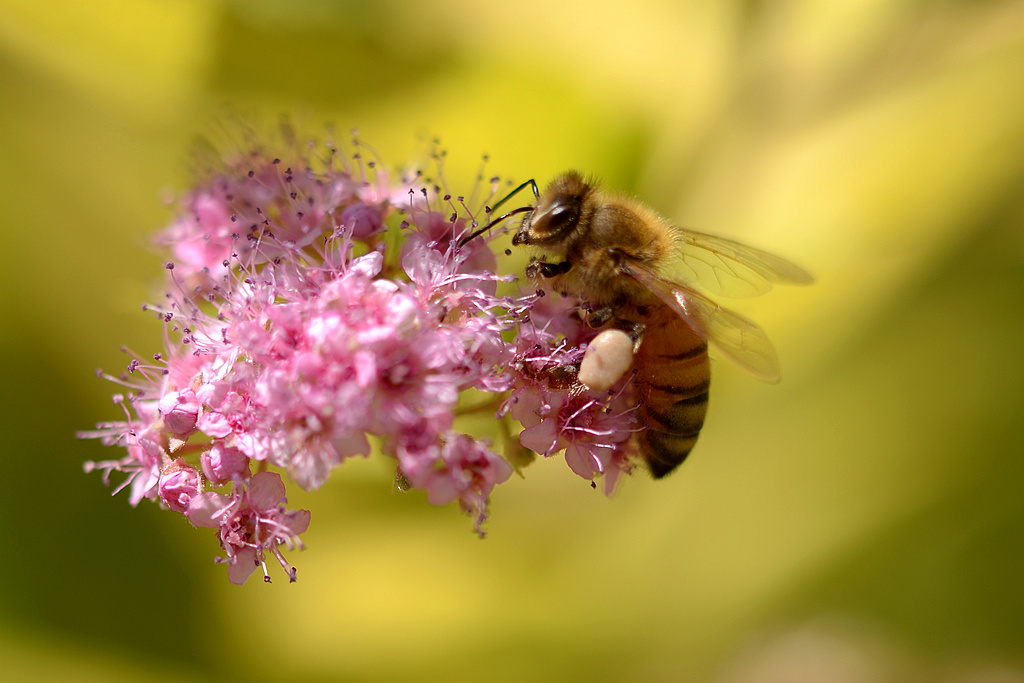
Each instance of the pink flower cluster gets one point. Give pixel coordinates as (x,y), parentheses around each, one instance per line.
(317,311)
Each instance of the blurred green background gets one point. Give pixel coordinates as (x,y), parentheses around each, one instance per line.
(861,521)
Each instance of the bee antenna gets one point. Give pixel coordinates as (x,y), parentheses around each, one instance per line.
(490,224)
(533,186)
(536,196)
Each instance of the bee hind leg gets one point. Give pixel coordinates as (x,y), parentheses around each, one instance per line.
(634,330)
(601,317)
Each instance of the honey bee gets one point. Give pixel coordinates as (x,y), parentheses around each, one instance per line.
(637,272)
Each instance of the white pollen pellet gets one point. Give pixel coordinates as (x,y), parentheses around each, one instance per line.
(608,357)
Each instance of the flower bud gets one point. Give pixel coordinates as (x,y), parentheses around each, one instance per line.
(179,484)
(363,220)
(180,410)
(222,464)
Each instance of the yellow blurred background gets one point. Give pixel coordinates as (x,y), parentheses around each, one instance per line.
(861,521)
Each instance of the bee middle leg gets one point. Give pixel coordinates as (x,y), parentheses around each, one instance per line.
(563,377)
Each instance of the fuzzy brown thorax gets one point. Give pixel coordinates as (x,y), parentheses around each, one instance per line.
(599,237)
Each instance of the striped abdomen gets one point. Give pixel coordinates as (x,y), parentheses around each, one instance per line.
(673,376)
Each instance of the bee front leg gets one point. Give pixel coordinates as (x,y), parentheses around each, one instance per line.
(547,270)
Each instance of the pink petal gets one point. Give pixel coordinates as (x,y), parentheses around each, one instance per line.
(266,490)
(204,509)
(542,438)
(243,564)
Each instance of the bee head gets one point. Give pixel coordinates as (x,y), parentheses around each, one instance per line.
(557,213)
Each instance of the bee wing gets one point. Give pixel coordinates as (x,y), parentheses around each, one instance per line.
(738,339)
(729,268)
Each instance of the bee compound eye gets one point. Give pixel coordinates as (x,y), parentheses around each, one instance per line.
(562,217)
(563,213)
